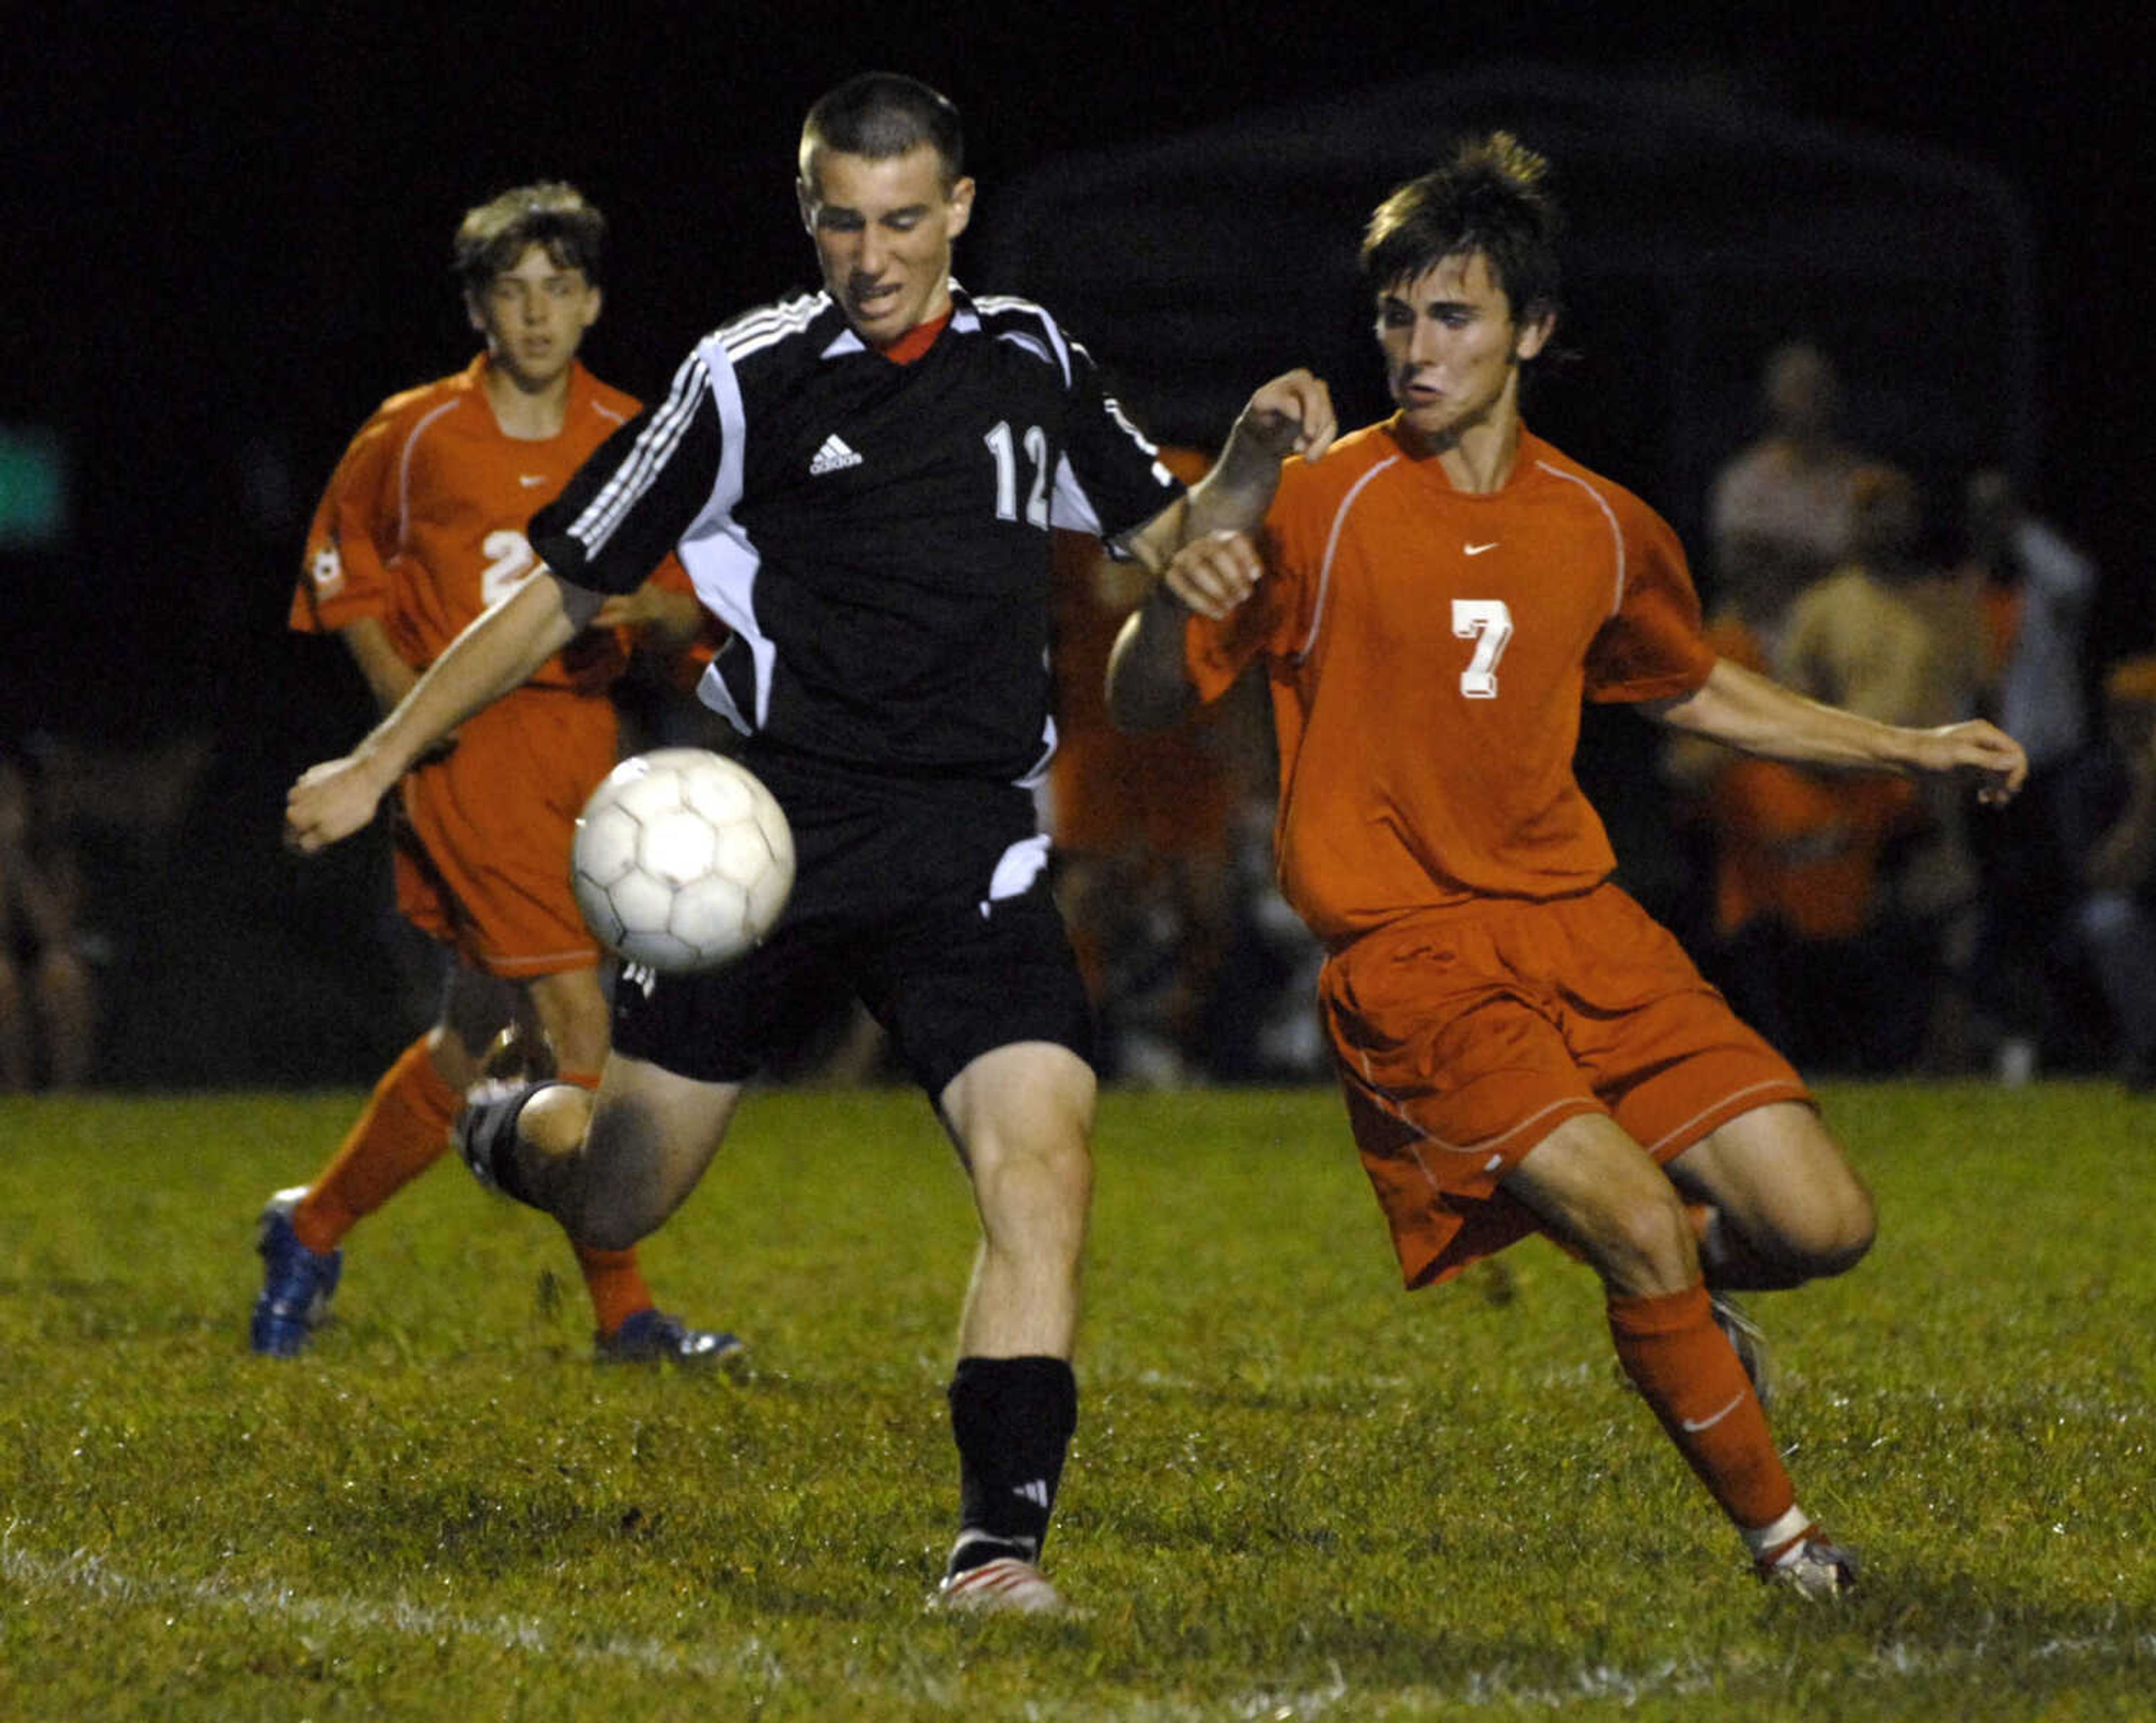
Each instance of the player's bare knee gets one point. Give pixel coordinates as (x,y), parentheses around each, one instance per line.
(1033,1200)
(550,1125)
(1845,1235)
(1640,1243)
(1831,1236)
(1052,1182)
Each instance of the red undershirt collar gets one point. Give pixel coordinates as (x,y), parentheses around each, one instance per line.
(916,341)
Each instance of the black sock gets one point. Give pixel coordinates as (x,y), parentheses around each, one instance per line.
(1012,1419)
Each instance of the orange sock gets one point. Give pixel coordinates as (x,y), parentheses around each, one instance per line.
(611,1277)
(403,1130)
(1684,1368)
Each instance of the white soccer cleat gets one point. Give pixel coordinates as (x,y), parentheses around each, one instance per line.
(1004,1587)
(1812,1567)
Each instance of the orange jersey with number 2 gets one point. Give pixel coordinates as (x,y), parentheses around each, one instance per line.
(422,524)
(422,527)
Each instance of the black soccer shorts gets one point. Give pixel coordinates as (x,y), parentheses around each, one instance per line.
(927,899)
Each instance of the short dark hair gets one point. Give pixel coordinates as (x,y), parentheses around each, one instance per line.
(880,115)
(552,214)
(1490,196)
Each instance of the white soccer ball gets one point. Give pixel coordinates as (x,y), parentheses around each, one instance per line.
(682,859)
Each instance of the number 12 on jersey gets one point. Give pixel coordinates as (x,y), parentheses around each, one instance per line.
(1005,447)
(1487,622)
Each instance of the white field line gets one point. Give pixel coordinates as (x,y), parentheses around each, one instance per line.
(93,1575)
(1469,1689)
(1601,1683)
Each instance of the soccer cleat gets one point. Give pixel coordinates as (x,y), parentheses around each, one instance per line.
(1748,1340)
(651,1336)
(1007,1586)
(297,1282)
(1812,1567)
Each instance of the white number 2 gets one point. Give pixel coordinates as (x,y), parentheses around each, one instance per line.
(1001,445)
(1487,622)
(508,560)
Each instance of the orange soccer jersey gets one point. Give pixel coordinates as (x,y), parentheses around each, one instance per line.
(1428,651)
(421,528)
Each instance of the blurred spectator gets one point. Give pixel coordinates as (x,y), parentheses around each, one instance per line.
(48,990)
(1887,633)
(106,819)
(1792,934)
(1891,637)
(2037,590)
(2108,804)
(1778,512)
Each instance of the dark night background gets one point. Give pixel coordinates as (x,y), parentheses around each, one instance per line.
(227,238)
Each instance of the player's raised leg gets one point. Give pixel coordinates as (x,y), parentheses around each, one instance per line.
(610,1165)
(629,1328)
(1593,1186)
(1021,1116)
(1783,1204)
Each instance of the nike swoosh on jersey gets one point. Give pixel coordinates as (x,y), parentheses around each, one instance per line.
(1476,550)
(528,479)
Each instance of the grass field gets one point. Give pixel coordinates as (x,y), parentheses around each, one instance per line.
(1297,1492)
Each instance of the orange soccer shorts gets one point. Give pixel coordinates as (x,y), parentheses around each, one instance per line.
(1465,1035)
(483,846)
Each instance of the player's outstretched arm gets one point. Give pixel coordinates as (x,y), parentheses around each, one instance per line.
(1148,688)
(500,649)
(1292,415)
(1200,550)
(1755,715)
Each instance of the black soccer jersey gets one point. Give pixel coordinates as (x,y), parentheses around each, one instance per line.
(876,534)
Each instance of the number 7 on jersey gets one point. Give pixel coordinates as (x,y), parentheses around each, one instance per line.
(1487,622)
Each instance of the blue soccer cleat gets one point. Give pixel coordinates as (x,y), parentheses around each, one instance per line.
(651,1336)
(296,1282)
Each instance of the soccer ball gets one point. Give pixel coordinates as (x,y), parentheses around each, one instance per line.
(682,859)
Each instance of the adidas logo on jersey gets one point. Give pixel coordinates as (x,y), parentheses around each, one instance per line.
(834,454)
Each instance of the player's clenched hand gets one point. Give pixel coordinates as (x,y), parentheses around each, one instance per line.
(1292,415)
(1980,752)
(331,800)
(1214,575)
